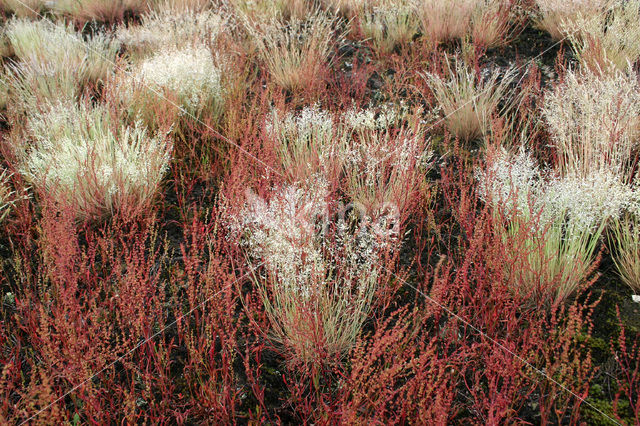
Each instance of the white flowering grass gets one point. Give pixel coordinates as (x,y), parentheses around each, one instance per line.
(386,160)
(467,100)
(296,52)
(607,42)
(166,29)
(383,117)
(550,226)
(319,281)
(380,151)
(81,156)
(556,16)
(388,25)
(182,83)
(594,122)
(308,143)
(55,62)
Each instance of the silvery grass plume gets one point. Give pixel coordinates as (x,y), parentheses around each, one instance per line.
(383,117)
(319,274)
(381,151)
(54,62)
(550,225)
(606,42)
(165,30)
(469,100)
(182,83)
(558,16)
(295,52)
(386,157)
(80,155)
(308,142)
(594,122)
(388,24)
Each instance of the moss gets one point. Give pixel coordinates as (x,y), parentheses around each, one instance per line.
(600,411)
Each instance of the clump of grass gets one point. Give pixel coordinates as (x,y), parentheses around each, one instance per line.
(296,52)
(82,156)
(266,10)
(184,84)
(467,99)
(556,16)
(606,42)
(387,159)
(54,62)
(594,122)
(348,9)
(445,20)
(182,6)
(491,23)
(164,30)
(319,284)
(494,23)
(308,143)
(24,8)
(624,238)
(106,11)
(550,226)
(388,25)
